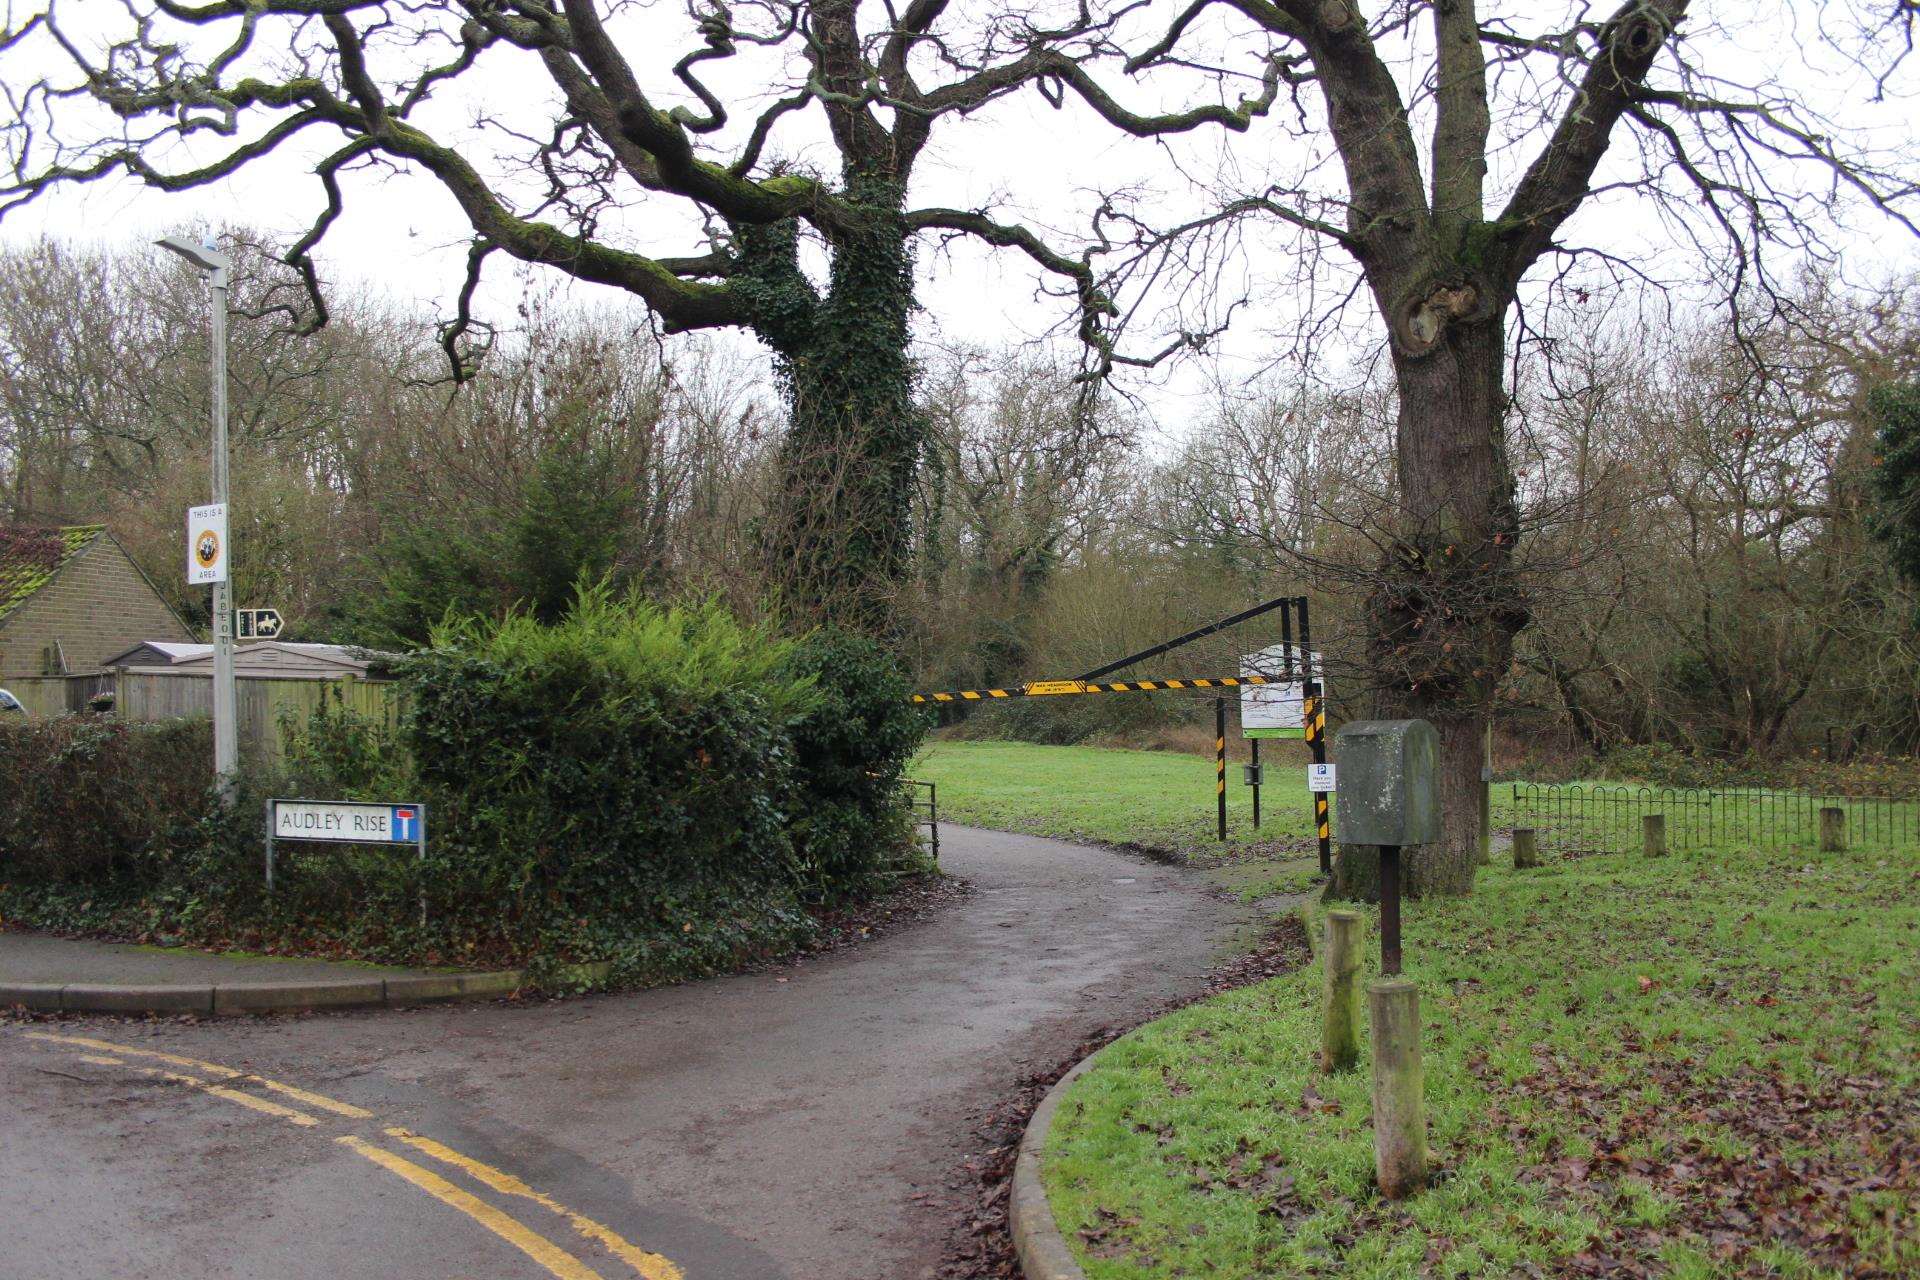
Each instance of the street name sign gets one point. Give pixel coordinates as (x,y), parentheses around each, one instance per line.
(349,822)
(207,544)
(345,822)
(259,624)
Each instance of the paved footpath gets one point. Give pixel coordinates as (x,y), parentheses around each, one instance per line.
(769,1125)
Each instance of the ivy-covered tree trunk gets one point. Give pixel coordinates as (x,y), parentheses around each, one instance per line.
(840,523)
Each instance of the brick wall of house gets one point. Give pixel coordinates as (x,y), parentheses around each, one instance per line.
(99,605)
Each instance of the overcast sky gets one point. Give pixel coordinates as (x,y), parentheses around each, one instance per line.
(401,235)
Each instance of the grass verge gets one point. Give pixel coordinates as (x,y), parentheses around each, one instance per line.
(1161,801)
(1698,1066)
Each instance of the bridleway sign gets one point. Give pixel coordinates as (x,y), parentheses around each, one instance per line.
(258,624)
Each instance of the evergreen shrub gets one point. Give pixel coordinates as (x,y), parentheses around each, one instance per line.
(615,786)
(94,801)
(666,790)
(851,749)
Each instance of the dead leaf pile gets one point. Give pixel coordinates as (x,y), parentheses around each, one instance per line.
(1748,1161)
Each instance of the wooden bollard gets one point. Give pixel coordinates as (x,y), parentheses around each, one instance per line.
(1653,834)
(1526,848)
(1339,965)
(1833,829)
(1399,1088)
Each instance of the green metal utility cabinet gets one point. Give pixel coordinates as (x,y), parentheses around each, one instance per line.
(1389,789)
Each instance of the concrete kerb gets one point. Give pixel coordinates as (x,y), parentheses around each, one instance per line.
(1037,1241)
(40,997)
(260,997)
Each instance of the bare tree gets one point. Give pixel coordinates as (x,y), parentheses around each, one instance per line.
(576,184)
(1441,150)
(1021,464)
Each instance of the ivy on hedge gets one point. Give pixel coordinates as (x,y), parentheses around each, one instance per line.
(664,789)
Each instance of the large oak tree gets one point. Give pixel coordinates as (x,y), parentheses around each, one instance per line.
(1439,153)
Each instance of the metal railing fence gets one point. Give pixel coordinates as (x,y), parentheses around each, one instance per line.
(1581,818)
(924,801)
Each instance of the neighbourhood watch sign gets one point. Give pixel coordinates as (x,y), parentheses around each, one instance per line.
(207,544)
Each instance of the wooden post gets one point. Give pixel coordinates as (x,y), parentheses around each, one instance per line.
(1339,963)
(1526,848)
(1833,829)
(1653,834)
(1399,1088)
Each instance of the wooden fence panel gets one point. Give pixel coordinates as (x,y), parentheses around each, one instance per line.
(143,696)
(40,695)
(262,704)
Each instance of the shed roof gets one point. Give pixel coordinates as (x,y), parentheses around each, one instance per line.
(264,658)
(31,557)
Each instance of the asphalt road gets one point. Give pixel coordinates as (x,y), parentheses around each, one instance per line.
(769,1125)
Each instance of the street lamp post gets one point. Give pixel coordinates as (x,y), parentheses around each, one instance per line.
(226,746)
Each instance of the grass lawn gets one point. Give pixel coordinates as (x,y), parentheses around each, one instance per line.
(1161,800)
(1705,1065)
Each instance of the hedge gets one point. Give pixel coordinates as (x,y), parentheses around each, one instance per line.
(96,802)
(667,790)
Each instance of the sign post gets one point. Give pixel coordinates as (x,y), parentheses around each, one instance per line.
(208,547)
(209,553)
(1292,704)
(1253,777)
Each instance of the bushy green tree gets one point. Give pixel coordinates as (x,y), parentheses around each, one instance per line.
(529,549)
(1895,409)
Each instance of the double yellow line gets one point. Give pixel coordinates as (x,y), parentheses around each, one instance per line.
(222,1084)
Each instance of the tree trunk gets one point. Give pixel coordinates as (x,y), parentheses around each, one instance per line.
(840,521)
(1445,606)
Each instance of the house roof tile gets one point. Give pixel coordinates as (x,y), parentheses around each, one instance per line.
(30,558)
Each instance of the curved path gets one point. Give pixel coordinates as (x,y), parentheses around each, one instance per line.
(799,1124)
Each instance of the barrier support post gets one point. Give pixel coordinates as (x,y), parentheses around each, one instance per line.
(1220,762)
(1253,748)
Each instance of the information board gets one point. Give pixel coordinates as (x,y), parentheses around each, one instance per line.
(1275,710)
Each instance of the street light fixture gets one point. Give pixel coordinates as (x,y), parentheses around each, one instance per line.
(226,746)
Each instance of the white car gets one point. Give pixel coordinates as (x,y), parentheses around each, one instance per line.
(10,705)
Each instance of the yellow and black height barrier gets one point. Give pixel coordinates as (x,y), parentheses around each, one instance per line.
(1313,702)
(1054,688)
